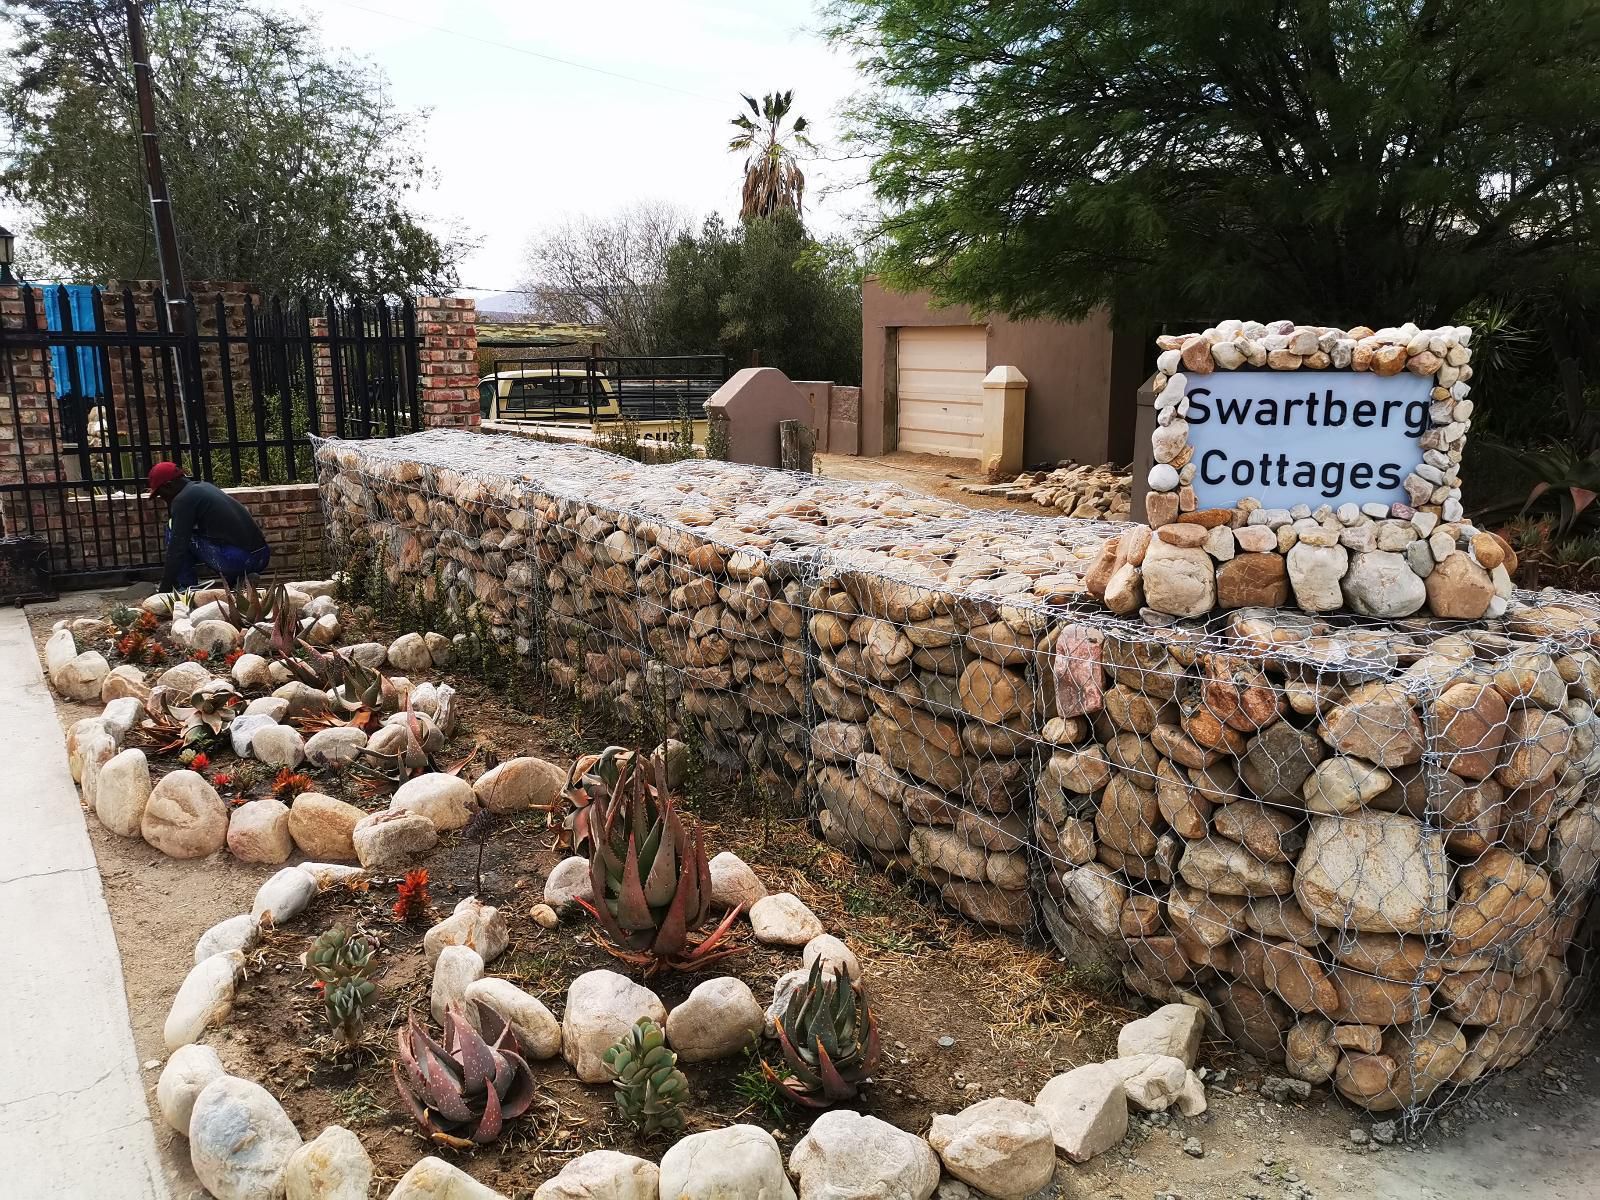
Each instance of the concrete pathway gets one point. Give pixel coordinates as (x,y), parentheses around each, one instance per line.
(74,1121)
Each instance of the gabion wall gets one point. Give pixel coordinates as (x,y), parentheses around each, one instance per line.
(1368,849)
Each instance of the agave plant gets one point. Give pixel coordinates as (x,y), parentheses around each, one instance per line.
(213,703)
(650,1088)
(341,964)
(463,1093)
(829,1036)
(650,878)
(250,606)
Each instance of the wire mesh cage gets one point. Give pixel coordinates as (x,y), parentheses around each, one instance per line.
(1367,850)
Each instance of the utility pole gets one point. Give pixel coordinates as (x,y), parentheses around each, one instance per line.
(179,319)
(172,282)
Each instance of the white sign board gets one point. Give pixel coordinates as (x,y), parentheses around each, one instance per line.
(1305,437)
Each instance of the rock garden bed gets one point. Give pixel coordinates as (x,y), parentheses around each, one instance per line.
(250,1014)
(989,749)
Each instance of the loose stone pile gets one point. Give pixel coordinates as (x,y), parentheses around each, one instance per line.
(1089,493)
(1380,560)
(1364,847)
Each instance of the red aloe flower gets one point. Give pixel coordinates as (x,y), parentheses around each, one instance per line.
(411,896)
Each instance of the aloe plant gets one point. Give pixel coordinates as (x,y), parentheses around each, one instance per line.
(359,686)
(829,1036)
(650,879)
(592,782)
(463,1092)
(250,606)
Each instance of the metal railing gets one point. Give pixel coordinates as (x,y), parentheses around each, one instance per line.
(231,400)
(598,389)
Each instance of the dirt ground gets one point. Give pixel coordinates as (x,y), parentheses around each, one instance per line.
(930,474)
(1016,1014)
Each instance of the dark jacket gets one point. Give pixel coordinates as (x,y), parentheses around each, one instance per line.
(204,510)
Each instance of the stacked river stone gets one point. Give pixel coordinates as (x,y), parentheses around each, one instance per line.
(1366,850)
(1365,847)
(1379,559)
(680,587)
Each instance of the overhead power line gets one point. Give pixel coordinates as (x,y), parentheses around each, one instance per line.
(515,49)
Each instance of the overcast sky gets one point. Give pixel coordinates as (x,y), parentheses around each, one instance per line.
(518,141)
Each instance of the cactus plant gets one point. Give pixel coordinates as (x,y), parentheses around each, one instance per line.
(650,879)
(829,1036)
(650,1088)
(463,1093)
(341,964)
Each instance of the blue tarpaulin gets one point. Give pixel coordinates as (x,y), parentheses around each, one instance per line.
(76,368)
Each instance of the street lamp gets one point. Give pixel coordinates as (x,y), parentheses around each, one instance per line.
(6,240)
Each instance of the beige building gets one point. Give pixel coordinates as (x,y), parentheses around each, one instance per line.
(922,371)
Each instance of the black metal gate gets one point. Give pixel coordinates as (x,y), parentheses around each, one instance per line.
(232,400)
(597,389)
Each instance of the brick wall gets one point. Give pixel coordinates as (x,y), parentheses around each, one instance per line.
(132,528)
(291,518)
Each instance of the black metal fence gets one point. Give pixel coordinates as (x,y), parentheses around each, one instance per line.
(598,389)
(231,398)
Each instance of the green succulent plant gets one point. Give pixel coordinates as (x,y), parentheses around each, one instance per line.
(250,605)
(342,964)
(829,1036)
(650,879)
(213,703)
(359,686)
(650,1090)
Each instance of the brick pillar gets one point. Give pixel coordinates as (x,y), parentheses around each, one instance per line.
(27,449)
(447,362)
(322,378)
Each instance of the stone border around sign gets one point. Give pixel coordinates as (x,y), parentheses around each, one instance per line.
(1379,560)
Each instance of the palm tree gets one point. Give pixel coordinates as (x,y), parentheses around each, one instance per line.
(773,180)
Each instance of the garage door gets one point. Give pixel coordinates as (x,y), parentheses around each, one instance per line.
(940,389)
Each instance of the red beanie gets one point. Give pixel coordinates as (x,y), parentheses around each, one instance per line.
(162,474)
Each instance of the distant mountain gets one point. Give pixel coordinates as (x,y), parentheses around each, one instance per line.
(503,306)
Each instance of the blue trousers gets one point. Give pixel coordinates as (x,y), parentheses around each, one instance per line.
(229,562)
